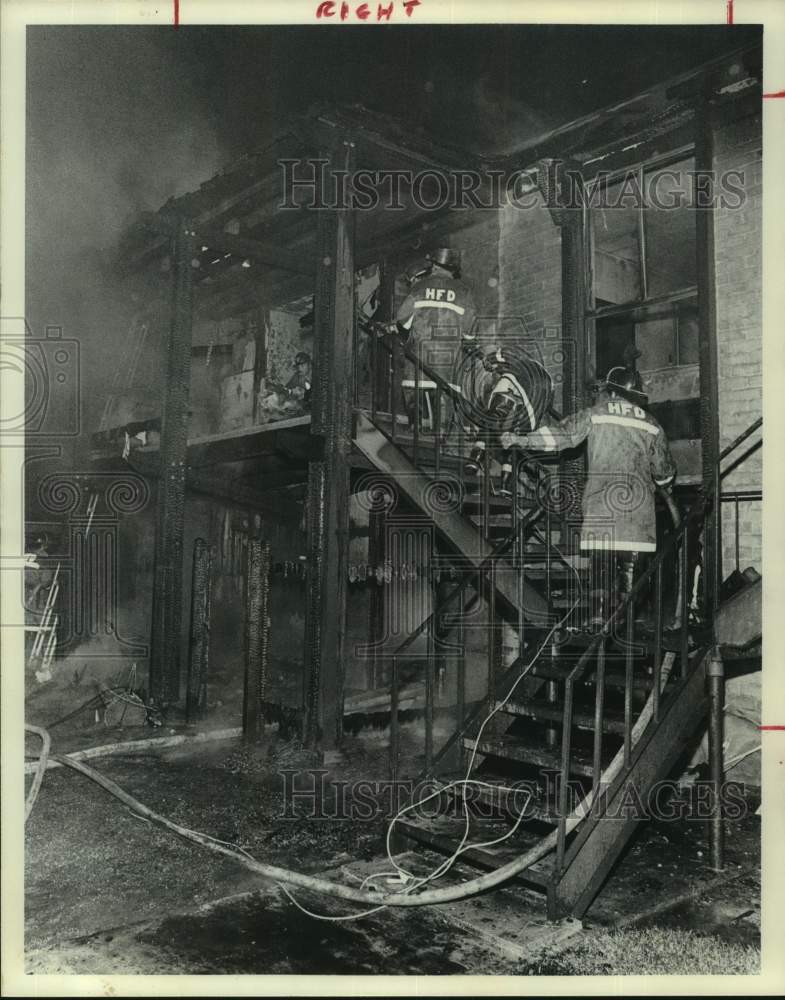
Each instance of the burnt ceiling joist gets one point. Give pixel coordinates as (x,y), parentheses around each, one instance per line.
(656,111)
(257,251)
(253,250)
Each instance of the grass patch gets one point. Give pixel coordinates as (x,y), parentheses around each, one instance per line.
(653,951)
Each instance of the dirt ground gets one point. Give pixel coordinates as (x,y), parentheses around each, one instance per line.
(107,892)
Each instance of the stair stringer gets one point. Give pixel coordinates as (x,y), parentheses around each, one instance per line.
(600,840)
(451,525)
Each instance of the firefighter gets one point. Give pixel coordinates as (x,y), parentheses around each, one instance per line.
(437,320)
(299,385)
(628,456)
(503,389)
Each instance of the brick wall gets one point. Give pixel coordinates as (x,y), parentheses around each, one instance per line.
(478,244)
(530,282)
(739,325)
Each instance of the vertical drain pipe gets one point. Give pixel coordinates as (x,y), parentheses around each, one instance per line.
(716,677)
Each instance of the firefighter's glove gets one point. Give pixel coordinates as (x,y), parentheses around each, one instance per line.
(509,440)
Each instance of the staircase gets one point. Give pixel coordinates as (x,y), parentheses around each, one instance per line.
(456,526)
(579,722)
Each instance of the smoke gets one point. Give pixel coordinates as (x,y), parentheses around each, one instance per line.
(120,119)
(112,130)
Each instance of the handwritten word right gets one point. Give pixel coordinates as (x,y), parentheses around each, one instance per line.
(362,11)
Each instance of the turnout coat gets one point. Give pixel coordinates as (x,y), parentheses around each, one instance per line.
(439,315)
(628,456)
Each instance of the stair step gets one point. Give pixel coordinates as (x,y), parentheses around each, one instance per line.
(445,836)
(494,520)
(558,571)
(554,712)
(564,603)
(613,678)
(536,552)
(502,794)
(529,751)
(474,505)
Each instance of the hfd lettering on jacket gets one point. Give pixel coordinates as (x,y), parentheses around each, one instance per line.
(625,409)
(440,294)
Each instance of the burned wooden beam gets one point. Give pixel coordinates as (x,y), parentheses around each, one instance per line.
(363,126)
(168,558)
(199,644)
(257,638)
(254,442)
(708,370)
(329,478)
(258,251)
(237,288)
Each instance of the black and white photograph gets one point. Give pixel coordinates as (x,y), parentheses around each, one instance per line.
(383,513)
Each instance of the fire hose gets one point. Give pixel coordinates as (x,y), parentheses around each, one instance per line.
(376,899)
(405,897)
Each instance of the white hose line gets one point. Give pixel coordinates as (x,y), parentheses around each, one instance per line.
(431,896)
(376,900)
(134,746)
(39,767)
(289,877)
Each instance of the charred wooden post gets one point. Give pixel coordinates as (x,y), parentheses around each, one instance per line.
(261,325)
(574,297)
(376,557)
(562,187)
(257,637)
(329,478)
(708,368)
(382,384)
(168,558)
(715,674)
(199,645)
(315,512)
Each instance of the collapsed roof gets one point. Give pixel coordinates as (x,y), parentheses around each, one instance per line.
(257,241)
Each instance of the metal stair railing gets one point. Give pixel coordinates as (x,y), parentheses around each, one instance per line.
(694,519)
(471,578)
(736,497)
(396,352)
(595,653)
(495,687)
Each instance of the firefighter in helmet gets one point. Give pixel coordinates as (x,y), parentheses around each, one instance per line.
(628,457)
(437,319)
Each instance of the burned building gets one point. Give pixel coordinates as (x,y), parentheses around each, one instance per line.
(317,529)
